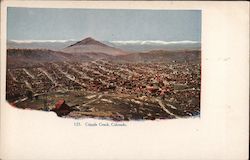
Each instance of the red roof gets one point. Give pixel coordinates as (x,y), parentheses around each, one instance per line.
(59,103)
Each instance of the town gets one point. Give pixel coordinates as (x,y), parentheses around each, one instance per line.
(107,89)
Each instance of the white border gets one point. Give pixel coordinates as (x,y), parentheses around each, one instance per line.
(221,133)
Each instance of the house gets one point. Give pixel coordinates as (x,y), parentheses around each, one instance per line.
(61,108)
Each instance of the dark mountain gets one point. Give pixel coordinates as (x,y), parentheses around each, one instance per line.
(89,45)
(88,41)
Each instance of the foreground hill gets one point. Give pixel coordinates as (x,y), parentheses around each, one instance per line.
(161,56)
(30,57)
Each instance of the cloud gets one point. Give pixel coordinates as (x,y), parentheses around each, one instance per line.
(152,42)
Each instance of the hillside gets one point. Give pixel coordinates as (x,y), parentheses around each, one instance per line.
(30,57)
(161,56)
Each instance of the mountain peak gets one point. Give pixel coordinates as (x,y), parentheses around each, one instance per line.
(88,41)
(90,45)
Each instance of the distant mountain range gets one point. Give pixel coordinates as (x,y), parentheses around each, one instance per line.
(39,44)
(132,46)
(90,49)
(145,46)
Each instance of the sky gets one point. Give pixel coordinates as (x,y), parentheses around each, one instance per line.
(101,24)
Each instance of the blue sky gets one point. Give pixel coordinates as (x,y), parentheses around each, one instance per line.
(77,24)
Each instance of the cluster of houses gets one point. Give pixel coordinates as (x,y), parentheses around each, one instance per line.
(175,81)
